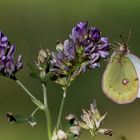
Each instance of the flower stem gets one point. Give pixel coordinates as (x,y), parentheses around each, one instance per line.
(61,108)
(46,110)
(93,138)
(33,113)
(36,101)
(93,135)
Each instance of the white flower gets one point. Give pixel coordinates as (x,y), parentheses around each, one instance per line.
(59,135)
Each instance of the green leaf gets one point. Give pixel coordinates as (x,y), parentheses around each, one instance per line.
(33,73)
(18,119)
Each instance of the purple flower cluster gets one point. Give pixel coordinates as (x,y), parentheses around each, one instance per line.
(93,45)
(82,51)
(7,65)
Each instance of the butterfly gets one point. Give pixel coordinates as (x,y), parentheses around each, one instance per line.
(121,78)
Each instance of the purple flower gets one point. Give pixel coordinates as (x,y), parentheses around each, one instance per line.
(3,40)
(7,65)
(83,50)
(69,49)
(79,32)
(94,45)
(60,63)
(90,39)
(94,34)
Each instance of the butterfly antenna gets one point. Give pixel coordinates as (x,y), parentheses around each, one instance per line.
(123,39)
(129,35)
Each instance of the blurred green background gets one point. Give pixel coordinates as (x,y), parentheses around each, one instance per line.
(33,23)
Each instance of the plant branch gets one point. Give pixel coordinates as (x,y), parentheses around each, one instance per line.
(61,108)
(36,101)
(46,110)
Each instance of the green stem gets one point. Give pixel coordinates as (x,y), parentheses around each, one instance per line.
(33,113)
(93,137)
(61,109)
(36,101)
(46,110)
(25,89)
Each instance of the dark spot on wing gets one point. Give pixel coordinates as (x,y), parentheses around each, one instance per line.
(125,82)
(136,79)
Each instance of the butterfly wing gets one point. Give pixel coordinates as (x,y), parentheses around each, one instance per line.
(136,62)
(120,81)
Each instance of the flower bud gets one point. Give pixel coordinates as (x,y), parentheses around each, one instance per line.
(43,55)
(61,135)
(43,62)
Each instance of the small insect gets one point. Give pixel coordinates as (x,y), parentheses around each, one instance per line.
(121,79)
(10,117)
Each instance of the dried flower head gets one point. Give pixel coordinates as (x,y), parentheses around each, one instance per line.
(83,50)
(73,120)
(74,129)
(59,135)
(7,65)
(43,62)
(91,120)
